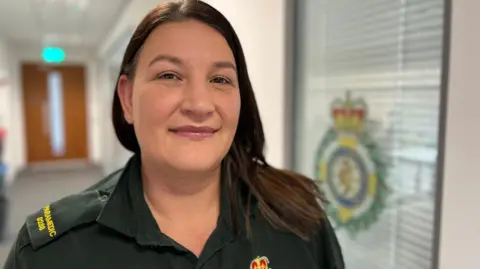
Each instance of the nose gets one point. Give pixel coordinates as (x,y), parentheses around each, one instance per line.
(198,102)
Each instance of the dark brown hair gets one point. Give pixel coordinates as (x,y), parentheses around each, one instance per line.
(289,201)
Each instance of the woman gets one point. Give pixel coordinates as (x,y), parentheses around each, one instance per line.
(198,192)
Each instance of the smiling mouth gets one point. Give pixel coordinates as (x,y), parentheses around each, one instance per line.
(194,132)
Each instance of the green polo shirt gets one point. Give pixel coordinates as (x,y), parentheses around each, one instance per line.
(110,225)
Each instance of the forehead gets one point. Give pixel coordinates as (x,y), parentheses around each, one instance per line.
(188,40)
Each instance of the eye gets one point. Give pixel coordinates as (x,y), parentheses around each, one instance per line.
(168,76)
(220,80)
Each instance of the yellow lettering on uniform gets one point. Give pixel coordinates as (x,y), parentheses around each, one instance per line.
(50,224)
(41,224)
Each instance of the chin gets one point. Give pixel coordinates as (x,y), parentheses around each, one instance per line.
(194,160)
(188,156)
(199,166)
(196,157)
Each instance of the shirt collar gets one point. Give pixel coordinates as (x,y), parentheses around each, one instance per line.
(128,213)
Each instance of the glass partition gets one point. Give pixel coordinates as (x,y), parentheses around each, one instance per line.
(366,121)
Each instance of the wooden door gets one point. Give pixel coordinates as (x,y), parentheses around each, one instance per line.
(55,112)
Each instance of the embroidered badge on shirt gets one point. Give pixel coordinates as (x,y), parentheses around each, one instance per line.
(260,263)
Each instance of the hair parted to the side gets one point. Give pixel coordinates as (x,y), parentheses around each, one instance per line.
(289,201)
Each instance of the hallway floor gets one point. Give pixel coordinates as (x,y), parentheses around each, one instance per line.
(34,189)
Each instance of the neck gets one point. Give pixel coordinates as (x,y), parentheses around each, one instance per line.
(178,195)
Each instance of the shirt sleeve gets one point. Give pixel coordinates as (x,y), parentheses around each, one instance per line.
(14,259)
(330,252)
(11,262)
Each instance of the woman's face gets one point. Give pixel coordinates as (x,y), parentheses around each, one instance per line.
(184,101)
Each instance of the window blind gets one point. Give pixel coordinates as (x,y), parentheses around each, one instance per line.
(388,52)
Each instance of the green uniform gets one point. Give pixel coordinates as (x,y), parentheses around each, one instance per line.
(110,225)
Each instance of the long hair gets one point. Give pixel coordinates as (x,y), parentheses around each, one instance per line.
(289,201)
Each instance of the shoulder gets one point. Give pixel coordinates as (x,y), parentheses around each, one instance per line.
(108,183)
(326,247)
(52,221)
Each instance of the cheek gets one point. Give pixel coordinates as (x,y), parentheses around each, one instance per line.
(152,107)
(230,110)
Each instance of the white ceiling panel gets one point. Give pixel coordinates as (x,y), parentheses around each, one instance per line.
(59,22)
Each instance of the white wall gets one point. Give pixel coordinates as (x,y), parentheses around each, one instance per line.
(132,15)
(260,26)
(4,76)
(460,222)
(5,90)
(4,87)
(16,148)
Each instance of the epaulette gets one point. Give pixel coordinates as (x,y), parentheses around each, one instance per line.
(54,220)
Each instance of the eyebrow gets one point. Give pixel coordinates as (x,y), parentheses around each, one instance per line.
(160,58)
(178,61)
(227,64)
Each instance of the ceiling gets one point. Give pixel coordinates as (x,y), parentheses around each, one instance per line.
(72,23)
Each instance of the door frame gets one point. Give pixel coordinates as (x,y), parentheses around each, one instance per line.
(87,85)
(17,133)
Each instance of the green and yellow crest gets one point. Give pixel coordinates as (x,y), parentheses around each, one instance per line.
(350,168)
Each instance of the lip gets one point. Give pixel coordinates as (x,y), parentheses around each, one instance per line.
(194,132)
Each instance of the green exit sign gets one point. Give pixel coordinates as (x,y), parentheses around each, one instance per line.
(53,55)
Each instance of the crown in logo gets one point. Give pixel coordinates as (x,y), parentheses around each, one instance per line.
(349,114)
(259,263)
